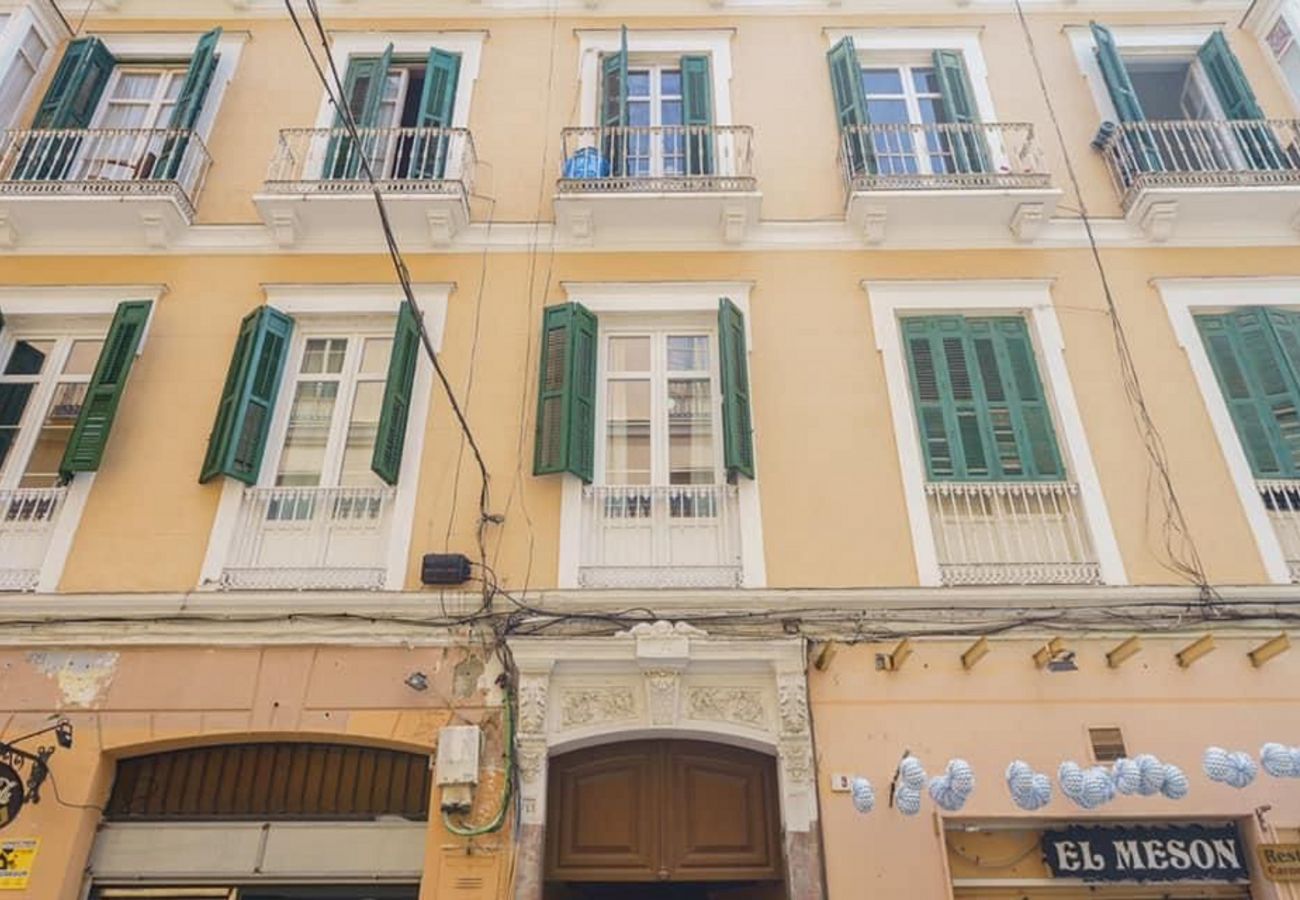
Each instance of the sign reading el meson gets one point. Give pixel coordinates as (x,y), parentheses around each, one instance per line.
(1146,853)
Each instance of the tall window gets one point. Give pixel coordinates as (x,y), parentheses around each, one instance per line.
(137,98)
(1286,50)
(337,396)
(654,99)
(21,73)
(661,419)
(903,95)
(43,385)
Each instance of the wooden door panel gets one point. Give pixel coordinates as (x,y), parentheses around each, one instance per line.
(722,821)
(603,821)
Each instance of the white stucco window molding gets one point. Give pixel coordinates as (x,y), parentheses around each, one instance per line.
(664,300)
(715,43)
(1032,298)
(50,27)
(347,306)
(74,311)
(1184,298)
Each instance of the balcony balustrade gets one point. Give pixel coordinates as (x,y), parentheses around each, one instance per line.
(1011,533)
(310,539)
(27,520)
(1282,500)
(661,537)
(941,180)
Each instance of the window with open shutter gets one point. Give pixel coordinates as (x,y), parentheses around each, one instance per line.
(238,439)
(697,114)
(363,92)
(980,406)
(613,105)
(1115,74)
(437,103)
(737,421)
(1255,354)
(566,404)
(104,393)
(189,104)
(970,152)
(851,106)
(79,81)
(396,409)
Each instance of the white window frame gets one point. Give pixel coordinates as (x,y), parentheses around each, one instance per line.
(1260,21)
(469,44)
(660,302)
(891,301)
(593,43)
(1184,299)
(358,307)
(49,26)
(67,311)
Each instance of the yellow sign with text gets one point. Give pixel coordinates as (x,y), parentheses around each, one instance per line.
(1281,862)
(16,860)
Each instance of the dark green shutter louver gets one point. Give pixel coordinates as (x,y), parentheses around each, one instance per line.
(99,407)
(189,103)
(396,409)
(697,114)
(437,105)
(363,91)
(78,83)
(566,393)
(968,146)
(1258,142)
(238,438)
(1115,74)
(1255,354)
(737,420)
(851,107)
(980,406)
(613,106)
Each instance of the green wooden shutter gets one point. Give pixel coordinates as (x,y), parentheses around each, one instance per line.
(851,106)
(437,104)
(969,148)
(1019,419)
(396,409)
(78,83)
(1115,74)
(90,434)
(566,393)
(737,421)
(697,114)
(238,438)
(1254,353)
(613,106)
(363,90)
(1258,142)
(189,104)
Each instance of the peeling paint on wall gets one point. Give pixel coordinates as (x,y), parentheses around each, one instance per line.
(82,677)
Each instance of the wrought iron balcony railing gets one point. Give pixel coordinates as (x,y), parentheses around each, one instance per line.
(1011,532)
(27,518)
(965,156)
(663,159)
(306,538)
(1200,154)
(105,161)
(1282,500)
(403,160)
(663,536)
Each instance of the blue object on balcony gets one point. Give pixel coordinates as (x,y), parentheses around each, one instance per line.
(586,163)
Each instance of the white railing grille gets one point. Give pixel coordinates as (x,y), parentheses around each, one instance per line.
(105,161)
(1282,501)
(1011,533)
(310,538)
(27,518)
(942,155)
(675,536)
(1200,153)
(668,158)
(403,160)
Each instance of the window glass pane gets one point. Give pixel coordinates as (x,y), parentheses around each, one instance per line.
(82,357)
(363,426)
(33,46)
(52,440)
(374,356)
(324,355)
(627,456)
(926,81)
(638,83)
(28,357)
(174,84)
(1290,63)
(638,112)
(887,112)
(303,458)
(671,85)
(119,115)
(15,84)
(882,81)
(931,110)
(13,401)
(136,86)
(690,432)
(629,354)
(672,112)
(688,353)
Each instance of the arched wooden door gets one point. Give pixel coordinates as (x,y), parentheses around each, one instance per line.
(663,811)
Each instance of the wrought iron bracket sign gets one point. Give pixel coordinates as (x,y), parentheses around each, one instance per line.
(15,762)
(1146,853)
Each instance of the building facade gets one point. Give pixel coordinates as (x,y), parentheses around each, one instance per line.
(605,448)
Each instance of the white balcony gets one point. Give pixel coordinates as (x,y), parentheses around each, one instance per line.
(933,183)
(1011,533)
(1282,501)
(1199,179)
(27,520)
(100,186)
(317,189)
(668,185)
(660,537)
(310,539)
